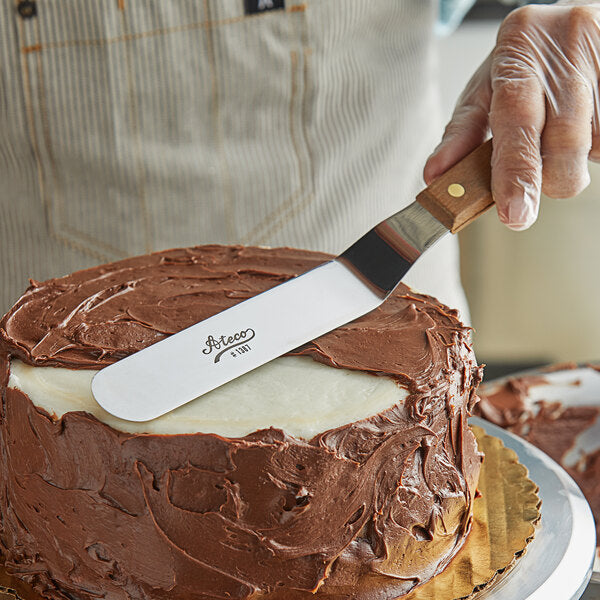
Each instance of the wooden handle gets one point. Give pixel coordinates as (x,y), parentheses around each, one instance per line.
(463,192)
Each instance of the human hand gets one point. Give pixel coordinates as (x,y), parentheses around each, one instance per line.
(538,94)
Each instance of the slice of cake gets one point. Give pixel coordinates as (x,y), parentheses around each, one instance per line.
(347,469)
(556,409)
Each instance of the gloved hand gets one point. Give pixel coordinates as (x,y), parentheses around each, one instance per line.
(538,94)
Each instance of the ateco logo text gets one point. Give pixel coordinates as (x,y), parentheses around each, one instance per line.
(236,344)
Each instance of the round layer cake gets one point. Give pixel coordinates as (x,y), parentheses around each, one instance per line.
(343,470)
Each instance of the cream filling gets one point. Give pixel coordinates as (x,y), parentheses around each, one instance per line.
(293,393)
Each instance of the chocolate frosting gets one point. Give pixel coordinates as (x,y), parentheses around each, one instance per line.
(367,510)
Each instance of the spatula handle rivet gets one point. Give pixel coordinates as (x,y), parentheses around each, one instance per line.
(456,190)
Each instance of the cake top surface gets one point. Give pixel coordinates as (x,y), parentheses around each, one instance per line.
(97,316)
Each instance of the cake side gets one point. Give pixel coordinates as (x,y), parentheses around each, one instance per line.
(365,510)
(379,503)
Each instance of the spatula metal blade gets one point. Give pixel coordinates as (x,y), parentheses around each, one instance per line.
(186,365)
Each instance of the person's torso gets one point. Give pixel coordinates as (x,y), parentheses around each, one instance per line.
(128,126)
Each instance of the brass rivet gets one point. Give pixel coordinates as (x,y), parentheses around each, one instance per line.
(456,190)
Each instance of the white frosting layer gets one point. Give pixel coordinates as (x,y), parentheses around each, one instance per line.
(292,393)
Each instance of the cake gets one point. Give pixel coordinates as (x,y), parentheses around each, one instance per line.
(344,470)
(555,426)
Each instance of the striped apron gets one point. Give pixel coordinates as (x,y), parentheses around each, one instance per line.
(128,126)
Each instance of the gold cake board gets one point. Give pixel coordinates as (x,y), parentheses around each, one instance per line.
(504,519)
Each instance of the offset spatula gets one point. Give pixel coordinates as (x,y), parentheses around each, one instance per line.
(190,363)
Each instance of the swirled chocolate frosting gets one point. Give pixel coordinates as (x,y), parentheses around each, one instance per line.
(368,510)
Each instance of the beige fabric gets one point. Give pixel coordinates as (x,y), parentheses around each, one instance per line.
(135,125)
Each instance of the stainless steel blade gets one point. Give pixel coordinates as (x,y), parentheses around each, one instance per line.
(204,356)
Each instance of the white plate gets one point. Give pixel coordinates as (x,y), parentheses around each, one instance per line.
(558,561)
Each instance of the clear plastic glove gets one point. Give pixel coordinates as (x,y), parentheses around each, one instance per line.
(538,94)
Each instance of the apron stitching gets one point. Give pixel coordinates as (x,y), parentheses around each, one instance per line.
(294,121)
(31,127)
(208,24)
(297,208)
(67,241)
(32,48)
(60,204)
(26,74)
(275,214)
(297,140)
(216,119)
(135,120)
(309,150)
(277,219)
